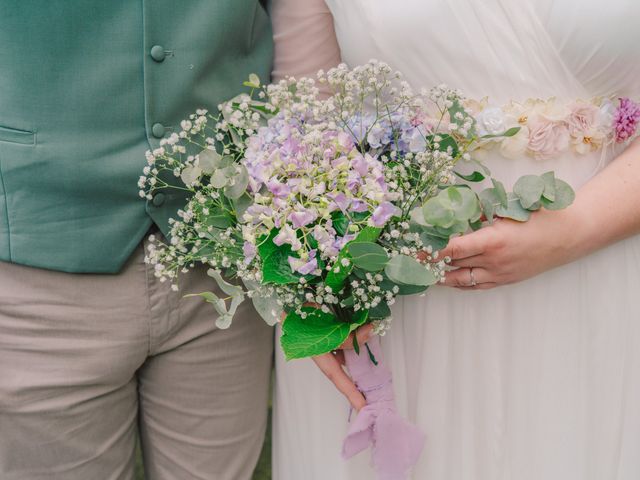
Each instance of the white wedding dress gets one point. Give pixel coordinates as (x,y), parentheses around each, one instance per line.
(535,381)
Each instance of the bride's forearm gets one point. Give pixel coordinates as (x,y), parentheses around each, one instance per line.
(607,208)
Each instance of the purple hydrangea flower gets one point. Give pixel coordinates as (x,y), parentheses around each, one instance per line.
(250,251)
(304,267)
(626,119)
(383,213)
(287,235)
(302,217)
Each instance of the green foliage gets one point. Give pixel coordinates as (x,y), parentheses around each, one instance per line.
(219,218)
(340,222)
(563,196)
(380,311)
(339,273)
(406,270)
(275,261)
(317,333)
(234,292)
(529,189)
(514,210)
(475,176)
(509,133)
(368,256)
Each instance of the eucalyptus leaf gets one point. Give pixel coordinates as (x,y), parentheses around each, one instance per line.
(549,180)
(209,160)
(465,203)
(267,306)
(489,200)
(408,271)
(239,185)
(514,210)
(438,212)
(529,189)
(564,196)
(368,256)
(190,174)
(241,204)
(436,242)
(501,193)
(219,179)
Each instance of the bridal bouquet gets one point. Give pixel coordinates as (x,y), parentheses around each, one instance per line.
(323,211)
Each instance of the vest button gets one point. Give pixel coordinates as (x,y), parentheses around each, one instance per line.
(157,53)
(158,199)
(158,130)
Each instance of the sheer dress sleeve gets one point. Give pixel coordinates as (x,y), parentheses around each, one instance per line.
(304,37)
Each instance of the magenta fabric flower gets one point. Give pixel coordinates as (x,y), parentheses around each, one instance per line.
(625,120)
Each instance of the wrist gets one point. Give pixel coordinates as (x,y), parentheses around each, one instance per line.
(581,235)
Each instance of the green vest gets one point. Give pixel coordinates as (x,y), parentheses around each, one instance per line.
(86,87)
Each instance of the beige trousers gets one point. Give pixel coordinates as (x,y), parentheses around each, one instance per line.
(87,361)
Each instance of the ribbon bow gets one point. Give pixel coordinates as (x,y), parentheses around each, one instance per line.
(396,444)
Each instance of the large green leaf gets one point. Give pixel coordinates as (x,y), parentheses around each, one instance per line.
(408,271)
(316,334)
(275,261)
(340,222)
(343,266)
(368,256)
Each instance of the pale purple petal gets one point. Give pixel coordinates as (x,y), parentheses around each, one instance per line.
(383,213)
(250,251)
(300,218)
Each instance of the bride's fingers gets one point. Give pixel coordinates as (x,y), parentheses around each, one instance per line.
(462,277)
(363,334)
(476,261)
(464,246)
(332,369)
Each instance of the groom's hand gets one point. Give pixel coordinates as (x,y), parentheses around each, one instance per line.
(331,365)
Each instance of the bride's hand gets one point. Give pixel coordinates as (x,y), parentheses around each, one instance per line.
(331,365)
(509,251)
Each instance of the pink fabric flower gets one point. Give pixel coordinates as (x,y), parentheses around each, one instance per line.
(547,138)
(625,120)
(582,119)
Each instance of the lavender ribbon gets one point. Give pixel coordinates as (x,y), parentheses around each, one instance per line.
(396,444)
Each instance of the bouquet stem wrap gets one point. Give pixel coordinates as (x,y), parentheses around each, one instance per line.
(396,444)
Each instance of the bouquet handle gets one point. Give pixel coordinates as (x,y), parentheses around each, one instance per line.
(395,443)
